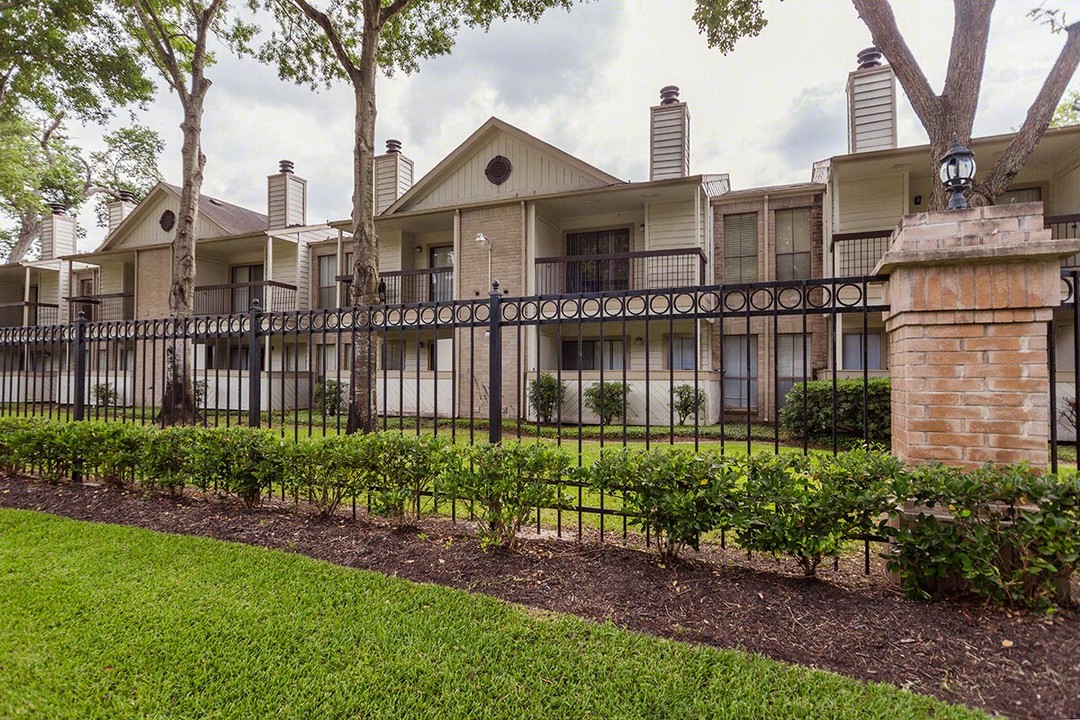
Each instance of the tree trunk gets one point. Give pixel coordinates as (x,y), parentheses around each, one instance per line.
(364,291)
(29,231)
(178,406)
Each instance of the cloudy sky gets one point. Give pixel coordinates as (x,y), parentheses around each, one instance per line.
(584,82)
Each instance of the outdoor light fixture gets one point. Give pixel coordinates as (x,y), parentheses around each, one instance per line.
(484,244)
(957,173)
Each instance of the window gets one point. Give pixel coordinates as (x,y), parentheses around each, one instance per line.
(442,283)
(682,352)
(740,248)
(1023,195)
(611,356)
(327,281)
(790,350)
(393,355)
(875,356)
(793,244)
(740,381)
(584,275)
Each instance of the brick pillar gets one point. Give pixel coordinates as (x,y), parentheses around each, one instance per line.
(970,294)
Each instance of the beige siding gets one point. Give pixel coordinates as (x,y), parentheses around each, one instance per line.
(303,275)
(1065,194)
(872,109)
(149,232)
(389,251)
(10,292)
(211,272)
(284,262)
(672,225)
(111,277)
(57,236)
(297,205)
(874,203)
(670,142)
(534,171)
(49,288)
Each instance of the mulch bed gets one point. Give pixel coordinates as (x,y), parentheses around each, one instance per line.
(1014,663)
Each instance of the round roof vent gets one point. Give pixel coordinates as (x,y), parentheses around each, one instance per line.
(498,170)
(167,221)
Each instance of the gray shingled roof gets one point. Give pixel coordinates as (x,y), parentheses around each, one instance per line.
(235,220)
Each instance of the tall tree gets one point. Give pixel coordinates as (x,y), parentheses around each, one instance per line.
(59,60)
(41,166)
(349,41)
(173,35)
(953,109)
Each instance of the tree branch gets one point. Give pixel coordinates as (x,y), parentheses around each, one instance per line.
(1035,124)
(159,49)
(967,58)
(878,17)
(323,21)
(387,14)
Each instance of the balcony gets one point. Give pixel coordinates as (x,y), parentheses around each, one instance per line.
(235,298)
(1065,227)
(20,314)
(104,308)
(644,270)
(409,286)
(858,253)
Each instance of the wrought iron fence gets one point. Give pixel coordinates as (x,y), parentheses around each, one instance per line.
(703,367)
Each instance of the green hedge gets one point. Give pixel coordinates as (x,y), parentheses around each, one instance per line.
(847,413)
(1005,533)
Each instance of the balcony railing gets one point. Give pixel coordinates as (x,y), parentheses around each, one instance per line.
(858,253)
(232,298)
(409,286)
(103,308)
(645,270)
(1065,227)
(17,314)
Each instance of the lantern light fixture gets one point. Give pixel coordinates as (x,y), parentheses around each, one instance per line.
(957,173)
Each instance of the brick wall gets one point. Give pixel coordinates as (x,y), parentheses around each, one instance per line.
(503,227)
(970,294)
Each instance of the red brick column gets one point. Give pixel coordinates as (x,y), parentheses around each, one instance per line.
(970,294)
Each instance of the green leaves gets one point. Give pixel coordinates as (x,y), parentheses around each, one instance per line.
(503,484)
(545,395)
(725,22)
(606,400)
(846,413)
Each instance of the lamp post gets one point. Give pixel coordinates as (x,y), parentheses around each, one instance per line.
(957,173)
(484,244)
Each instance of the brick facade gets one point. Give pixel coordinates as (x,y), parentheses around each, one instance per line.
(970,295)
(504,227)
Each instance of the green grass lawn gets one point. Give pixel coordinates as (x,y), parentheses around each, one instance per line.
(111,622)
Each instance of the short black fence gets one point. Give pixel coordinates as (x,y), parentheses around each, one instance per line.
(704,367)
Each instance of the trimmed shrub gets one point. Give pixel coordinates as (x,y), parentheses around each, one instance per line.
(170,459)
(327,470)
(112,451)
(331,397)
(848,413)
(238,460)
(43,448)
(676,494)
(546,394)
(12,457)
(1007,533)
(103,394)
(606,400)
(503,484)
(808,506)
(687,401)
(405,466)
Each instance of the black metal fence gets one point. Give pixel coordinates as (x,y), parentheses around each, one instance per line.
(616,272)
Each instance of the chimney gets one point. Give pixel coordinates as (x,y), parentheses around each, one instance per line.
(669,137)
(393,176)
(120,208)
(871,92)
(57,233)
(286,198)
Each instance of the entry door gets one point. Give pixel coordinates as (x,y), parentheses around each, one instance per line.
(442,284)
(242,296)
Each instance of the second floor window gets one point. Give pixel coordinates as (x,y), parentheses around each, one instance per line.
(682,352)
(740,248)
(600,275)
(327,281)
(793,244)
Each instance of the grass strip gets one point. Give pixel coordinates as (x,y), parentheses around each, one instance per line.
(100,621)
